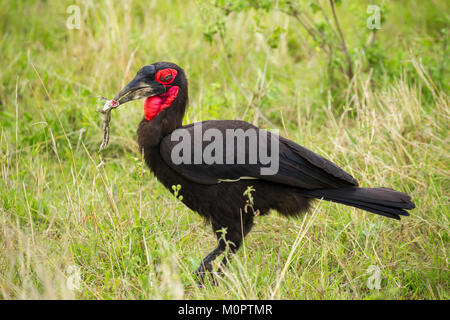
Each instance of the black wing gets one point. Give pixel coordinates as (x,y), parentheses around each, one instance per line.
(298,166)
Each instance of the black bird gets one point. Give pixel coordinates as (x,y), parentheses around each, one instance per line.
(216,189)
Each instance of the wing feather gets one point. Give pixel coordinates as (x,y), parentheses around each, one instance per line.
(298,166)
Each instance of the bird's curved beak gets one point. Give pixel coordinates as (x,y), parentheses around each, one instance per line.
(138,88)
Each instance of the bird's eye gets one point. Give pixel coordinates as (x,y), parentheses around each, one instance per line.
(166,76)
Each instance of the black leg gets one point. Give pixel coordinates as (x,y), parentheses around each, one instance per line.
(223,265)
(230,241)
(206,265)
(234,241)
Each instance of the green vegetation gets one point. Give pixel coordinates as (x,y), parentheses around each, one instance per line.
(67,210)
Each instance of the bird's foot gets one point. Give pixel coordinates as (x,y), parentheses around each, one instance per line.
(202,275)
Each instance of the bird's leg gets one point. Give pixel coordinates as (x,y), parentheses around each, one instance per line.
(206,264)
(232,248)
(230,239)
(225,261)
(234,241)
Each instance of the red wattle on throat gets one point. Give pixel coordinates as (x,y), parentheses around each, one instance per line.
(154,105)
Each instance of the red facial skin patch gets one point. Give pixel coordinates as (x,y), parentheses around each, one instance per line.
(154,105)
(166,76)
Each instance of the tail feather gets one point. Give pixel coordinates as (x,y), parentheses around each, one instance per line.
(382,201)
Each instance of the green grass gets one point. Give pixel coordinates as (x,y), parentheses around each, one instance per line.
(64,207)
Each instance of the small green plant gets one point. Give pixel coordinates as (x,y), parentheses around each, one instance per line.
(176,190)
(140,169)
(248,193)
(249,202)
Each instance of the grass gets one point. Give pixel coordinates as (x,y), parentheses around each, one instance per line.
(78,224)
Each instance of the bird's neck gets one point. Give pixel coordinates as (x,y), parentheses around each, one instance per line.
(150,133)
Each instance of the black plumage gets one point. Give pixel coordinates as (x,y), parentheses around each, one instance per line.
(215,191)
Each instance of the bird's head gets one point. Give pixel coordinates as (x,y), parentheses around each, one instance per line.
(161,83)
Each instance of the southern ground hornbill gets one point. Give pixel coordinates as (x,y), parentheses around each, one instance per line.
(215,187)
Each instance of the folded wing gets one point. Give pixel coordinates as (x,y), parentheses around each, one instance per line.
(297,166)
